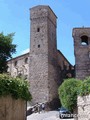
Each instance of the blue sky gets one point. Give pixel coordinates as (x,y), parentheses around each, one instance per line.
(15,17)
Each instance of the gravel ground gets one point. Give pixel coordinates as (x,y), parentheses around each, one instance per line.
(51,115)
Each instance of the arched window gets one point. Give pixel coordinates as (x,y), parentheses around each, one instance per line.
(84,40)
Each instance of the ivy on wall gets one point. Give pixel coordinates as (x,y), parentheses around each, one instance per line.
(16,87)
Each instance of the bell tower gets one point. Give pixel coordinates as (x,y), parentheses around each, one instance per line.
(82,52)
(43,54)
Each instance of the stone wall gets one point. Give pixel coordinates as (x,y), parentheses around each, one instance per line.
(11,109)
(83,104)
(65,69)
(19,66)
(82,52)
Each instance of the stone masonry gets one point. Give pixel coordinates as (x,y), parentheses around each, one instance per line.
(44,66)
(44,71)
(82,52)
(83,104)
(43,57)
(19,66)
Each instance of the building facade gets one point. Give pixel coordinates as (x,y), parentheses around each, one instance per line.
(44,66)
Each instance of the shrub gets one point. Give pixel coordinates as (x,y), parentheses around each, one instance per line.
(16,87)
(84,89)
(68,93)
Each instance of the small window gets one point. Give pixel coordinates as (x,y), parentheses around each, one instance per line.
(84,40)
(38,29)
(26,60)
(38,46)
(15,63)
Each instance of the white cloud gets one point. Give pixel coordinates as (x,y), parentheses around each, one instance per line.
(25,51)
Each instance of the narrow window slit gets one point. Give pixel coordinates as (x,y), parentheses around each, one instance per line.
(38,29)
(38,46)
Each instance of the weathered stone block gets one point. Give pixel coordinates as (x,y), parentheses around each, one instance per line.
(83,104)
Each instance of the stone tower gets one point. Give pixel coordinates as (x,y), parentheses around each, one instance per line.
(82,52)
(43,55)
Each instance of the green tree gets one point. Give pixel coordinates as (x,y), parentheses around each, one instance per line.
(15,87)
(7,48)
(68,92)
